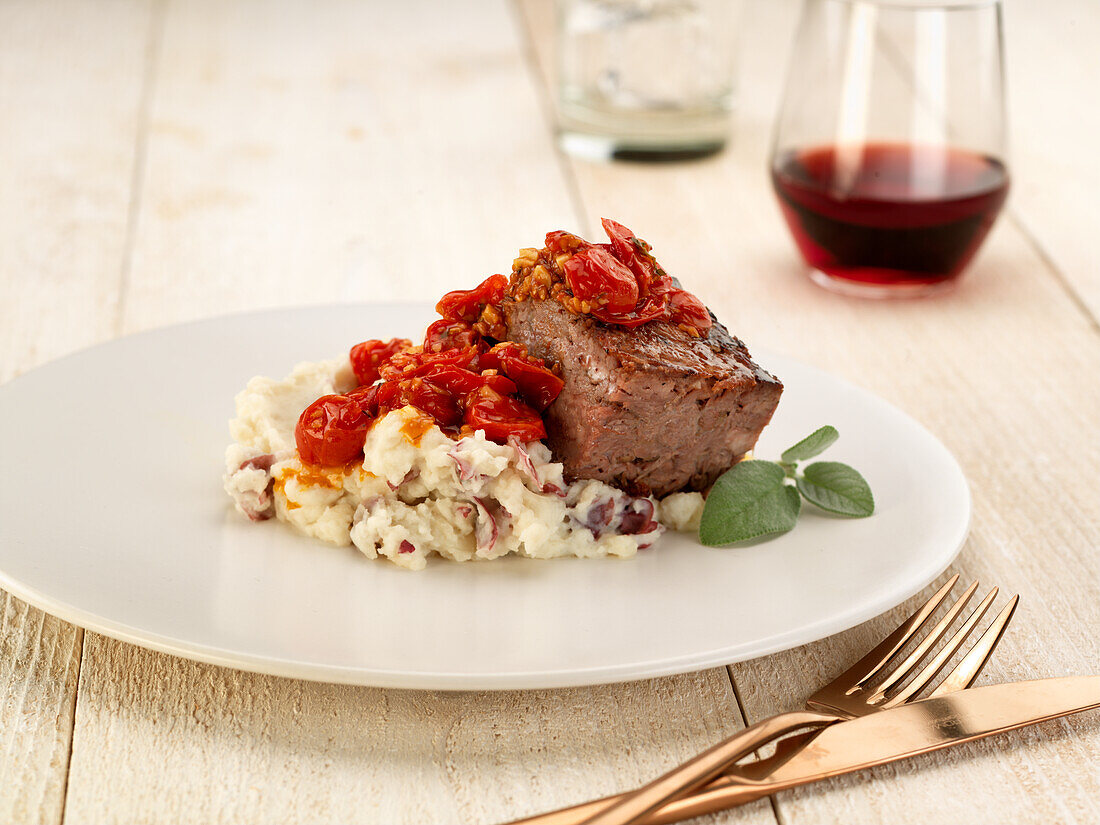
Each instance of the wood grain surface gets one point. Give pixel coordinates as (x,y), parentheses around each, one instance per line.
(67,141)
(164,161)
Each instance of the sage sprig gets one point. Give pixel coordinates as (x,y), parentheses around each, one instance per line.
(760,498)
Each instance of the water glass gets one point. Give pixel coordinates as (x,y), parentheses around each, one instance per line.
(645,79)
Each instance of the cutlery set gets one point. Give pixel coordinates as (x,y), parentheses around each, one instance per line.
(869,715)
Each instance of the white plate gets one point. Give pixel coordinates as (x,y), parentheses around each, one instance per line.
(112,516)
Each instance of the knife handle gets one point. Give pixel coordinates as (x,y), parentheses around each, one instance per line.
(724,792)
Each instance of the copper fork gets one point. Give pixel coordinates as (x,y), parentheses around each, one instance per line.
(870,685)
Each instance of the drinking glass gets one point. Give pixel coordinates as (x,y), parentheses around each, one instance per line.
(645,79)
(889,157)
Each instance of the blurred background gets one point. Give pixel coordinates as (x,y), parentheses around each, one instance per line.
(164,160)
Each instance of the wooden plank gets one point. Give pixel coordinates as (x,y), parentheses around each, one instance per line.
(354,152)
(997,370)
(216,745)
(1053,68)
(1042,774)
(70,85)
(345,152)
(39,662)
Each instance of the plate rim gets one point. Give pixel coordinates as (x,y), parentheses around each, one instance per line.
(506,680)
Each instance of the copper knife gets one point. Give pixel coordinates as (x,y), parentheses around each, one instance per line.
(876,739)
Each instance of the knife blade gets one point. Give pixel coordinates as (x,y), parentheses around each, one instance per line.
(932,724)
(876,739)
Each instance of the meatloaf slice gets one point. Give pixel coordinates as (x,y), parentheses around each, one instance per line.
(651,409)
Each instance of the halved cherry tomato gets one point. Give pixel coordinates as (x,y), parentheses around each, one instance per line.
(653,308)
(461,382)
(674,305)
(661,284)
(499,383)
(491,360)
(594,273)
(389,396)
(632,251)
(369,356)
(467,304)
(433,400)
(445,335)
(537,385)
(367,398)
(454,379)
(560,241)
(500,416)
(411,364)
(685,308)
(401,363)
(331,430)
(622,239)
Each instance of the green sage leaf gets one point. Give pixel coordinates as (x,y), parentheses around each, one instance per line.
(748,500)
(813,444)
(837,488)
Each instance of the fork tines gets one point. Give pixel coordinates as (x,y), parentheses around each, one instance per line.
(902,682)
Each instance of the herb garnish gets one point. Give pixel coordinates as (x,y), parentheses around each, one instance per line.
(753,498)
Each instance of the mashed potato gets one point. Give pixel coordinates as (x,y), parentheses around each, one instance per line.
(419,491)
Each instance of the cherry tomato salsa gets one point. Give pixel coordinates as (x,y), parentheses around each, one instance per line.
(464,380)
(466,377)
(621,282)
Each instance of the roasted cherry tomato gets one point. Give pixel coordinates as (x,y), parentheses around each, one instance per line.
(594,273)
(454,379)
(467,304)
(433,400)
(445,335)
(461,382)
(332,430)
(411,364)
(654,308)
(389,396)
(491,360)
(401,363)
(537,385)
(632,251)
(499,383)
(684,308)
(367,357)
(500,416)
(622,239)
(560,241)
(661,284)
(367,398)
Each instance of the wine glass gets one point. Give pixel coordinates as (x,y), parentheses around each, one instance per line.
(889,156)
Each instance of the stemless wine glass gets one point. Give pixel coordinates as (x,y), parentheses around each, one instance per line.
(889,153)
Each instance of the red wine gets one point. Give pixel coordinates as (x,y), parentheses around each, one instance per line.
(889,214)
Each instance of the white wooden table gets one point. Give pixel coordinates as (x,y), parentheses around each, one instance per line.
(163,160)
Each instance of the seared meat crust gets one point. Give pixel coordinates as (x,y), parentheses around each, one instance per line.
(651,409)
